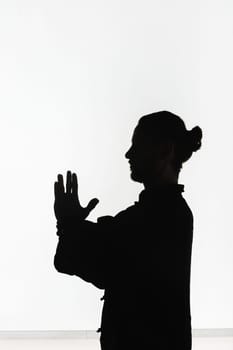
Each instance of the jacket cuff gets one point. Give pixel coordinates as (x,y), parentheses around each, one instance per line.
(68,226)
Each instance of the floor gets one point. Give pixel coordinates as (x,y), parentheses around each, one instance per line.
(199,343)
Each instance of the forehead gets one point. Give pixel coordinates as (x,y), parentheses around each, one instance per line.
(142,136)
(138,134)
(151,139)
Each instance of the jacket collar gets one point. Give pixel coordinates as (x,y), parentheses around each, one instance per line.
(161,190)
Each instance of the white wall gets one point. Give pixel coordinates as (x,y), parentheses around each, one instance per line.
(75,78)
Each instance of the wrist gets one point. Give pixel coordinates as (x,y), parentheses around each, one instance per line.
(67,224)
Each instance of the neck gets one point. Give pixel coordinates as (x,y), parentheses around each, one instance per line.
(150,185)
(166,179)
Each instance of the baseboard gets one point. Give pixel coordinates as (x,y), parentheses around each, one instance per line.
(212,332)
(92,334)
(60,334)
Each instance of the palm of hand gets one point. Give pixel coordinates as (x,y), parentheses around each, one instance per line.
(67,205)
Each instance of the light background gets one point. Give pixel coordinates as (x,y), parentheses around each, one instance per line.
(75,78)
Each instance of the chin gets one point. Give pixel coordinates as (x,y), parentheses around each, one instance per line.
(136,177)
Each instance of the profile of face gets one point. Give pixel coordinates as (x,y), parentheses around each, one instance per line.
(145,158)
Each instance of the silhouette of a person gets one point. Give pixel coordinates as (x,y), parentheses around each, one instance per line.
(142,256)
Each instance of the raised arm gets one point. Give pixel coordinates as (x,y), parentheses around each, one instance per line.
(82,244)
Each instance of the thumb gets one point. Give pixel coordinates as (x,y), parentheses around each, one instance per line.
(92,204)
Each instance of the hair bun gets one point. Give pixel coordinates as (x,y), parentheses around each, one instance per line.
(194,138)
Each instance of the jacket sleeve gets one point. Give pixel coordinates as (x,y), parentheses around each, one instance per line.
(82,250)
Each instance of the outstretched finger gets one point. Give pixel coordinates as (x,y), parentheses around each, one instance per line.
(74,186)
(68,182)
(60,184)
(92,204)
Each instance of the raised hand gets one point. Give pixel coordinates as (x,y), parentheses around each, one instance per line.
(67,205)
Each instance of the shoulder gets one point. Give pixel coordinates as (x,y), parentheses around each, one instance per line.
(105,219)
(123,214)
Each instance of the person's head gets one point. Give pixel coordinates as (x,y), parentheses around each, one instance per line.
(160,145)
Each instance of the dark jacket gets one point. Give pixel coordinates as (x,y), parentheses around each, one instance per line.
(141,258)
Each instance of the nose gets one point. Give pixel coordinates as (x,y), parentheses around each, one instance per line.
(127,154)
